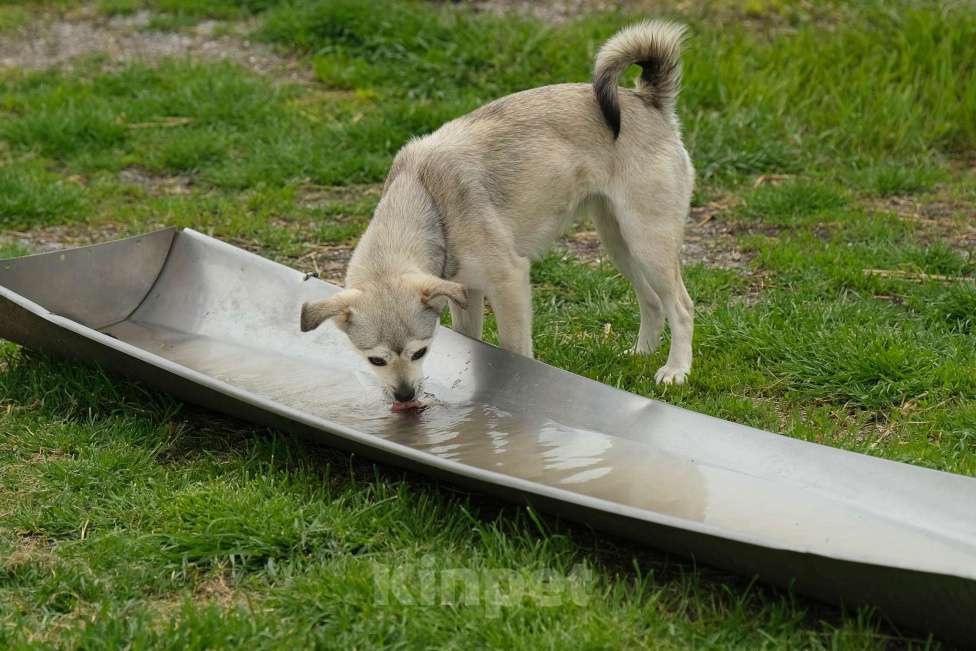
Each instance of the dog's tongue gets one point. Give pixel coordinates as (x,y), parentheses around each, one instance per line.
(405,406)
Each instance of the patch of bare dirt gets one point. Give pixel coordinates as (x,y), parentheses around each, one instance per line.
(935,219)
(317,196)
(60,39)
(156,184)
(63,236)
(326,261)
(709,240)
(758,16)
(551,11)
(922,210)
(584,246)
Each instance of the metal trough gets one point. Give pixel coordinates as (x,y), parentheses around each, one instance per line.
(218,326)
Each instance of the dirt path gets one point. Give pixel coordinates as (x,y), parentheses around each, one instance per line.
(59,39)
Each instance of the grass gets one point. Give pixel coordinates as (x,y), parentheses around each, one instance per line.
(12,18)
(29,196)
(833,138)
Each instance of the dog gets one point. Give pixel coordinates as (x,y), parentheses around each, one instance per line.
(465,209)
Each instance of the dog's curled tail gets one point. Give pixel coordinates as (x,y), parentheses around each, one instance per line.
(654,45)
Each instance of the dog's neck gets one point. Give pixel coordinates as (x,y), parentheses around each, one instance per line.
(406,234)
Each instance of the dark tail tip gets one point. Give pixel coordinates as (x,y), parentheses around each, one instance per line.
(606,95)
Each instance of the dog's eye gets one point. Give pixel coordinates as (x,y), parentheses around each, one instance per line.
(377,361)
(420,353)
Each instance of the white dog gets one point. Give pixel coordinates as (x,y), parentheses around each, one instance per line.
(466,208)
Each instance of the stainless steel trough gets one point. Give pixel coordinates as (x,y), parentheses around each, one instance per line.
(218,326)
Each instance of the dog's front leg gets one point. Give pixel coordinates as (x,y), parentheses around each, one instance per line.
(470,320)
(511,299)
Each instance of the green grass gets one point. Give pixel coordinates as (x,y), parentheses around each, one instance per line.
(890,179)
(792,203)
(836,136)
(12,18)
(30,196)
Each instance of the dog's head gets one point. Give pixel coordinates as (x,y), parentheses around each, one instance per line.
(391,323)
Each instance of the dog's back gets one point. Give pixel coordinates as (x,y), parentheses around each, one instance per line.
(571,139)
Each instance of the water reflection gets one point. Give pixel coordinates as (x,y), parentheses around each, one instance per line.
(459,426)
(452,426)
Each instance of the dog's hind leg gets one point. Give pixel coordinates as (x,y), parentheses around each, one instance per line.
(510,295)
(651,309)
(470,320)
(653,232)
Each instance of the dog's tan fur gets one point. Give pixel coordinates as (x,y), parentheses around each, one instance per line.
(466,208)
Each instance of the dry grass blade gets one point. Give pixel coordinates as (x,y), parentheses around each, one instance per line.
(162,123)
(916,276)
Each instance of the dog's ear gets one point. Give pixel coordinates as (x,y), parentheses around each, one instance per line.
(435,292)
(336,307)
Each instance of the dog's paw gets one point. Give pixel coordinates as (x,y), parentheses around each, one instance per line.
(669,375)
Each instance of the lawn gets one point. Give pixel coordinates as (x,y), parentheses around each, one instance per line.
(830,255)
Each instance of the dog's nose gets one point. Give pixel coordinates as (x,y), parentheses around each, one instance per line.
(404,393)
